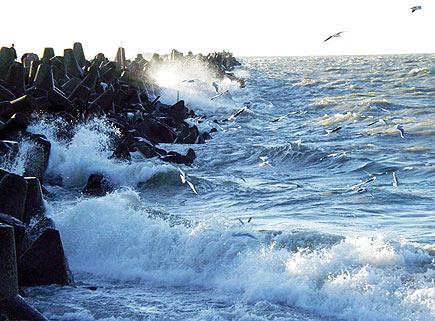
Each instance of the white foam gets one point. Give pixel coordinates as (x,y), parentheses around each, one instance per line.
(358,278)
(89,152)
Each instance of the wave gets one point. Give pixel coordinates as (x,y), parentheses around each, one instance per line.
(419,72)
(89,151)
(352,277)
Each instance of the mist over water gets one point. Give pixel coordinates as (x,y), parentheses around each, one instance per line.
(333,236)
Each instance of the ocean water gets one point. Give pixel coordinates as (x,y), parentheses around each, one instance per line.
(311,205)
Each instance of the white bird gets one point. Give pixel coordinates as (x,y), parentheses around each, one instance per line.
(415,8)
(336,35)
(395,180)
(192,187)
(218,95)
(279,118)
(399,127)
(358,186)
(237,113)
(184,180)
(265,161)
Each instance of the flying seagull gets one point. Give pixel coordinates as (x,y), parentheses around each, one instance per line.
(218,95)
(184,180)
(395,180)
(336,35)
(237,113)
(415,8)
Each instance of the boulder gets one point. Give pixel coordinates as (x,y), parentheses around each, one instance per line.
(178,112)
(18,309)
(7,58)
(72,67)
(13,192)
(177,158)
(79,54)
(34,201)
(155,131)
(19,230)
(44,262)
(47,55)
(15,78)
(97,185)
(38,163)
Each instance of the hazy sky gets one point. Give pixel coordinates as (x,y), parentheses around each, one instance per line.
(256,27)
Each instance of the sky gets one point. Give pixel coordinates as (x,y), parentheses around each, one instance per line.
(247,28)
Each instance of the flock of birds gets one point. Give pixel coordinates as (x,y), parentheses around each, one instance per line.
(338,34)
(264,159)
(357,187)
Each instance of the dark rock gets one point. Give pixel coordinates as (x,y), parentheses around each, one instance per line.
(18,309)
(155,131)
(148,150)
(13,191)
(34,65)
(18,122)
(8,150)
(105,100)
(44,77)
(72,67)
(6,94)
(43,224)
(122,151)
(47,55)
(97,185)
(69,86)
(174,157)
(38,164)
(90,80)
(178,111)
(25,104)
(79,54)
(81,94)
(34,201)
(44,262)
(19,230)
(7,58)
(59,70)
(15,78)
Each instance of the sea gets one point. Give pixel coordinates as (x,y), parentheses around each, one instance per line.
(316,202)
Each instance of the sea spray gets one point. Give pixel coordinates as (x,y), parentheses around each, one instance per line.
(89,151)
(356,278)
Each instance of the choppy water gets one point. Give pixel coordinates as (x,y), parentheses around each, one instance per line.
(321,245)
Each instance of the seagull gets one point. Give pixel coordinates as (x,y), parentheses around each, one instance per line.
(184,180)
(358,186)
(265,161)
(336,35)
(395,180)
(237,113)
(330,131)
(218,95)
(415,8)
(399,127)
(279,118)
(216,87)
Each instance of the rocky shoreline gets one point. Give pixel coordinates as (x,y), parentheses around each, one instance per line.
(75,90)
